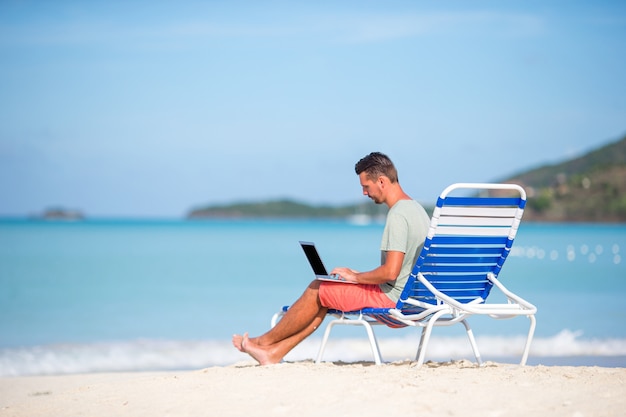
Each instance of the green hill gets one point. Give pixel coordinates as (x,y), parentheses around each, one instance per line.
(590,188)
(285,209)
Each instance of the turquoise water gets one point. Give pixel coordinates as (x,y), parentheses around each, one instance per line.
(142,295)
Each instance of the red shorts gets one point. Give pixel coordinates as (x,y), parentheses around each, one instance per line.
(351,297)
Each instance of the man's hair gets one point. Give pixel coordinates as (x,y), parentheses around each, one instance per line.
(375,165)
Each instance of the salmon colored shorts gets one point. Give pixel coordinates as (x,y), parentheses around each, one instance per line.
(351,297)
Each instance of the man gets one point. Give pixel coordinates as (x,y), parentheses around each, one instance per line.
(403,237)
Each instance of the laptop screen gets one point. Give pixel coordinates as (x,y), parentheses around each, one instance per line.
(314,258)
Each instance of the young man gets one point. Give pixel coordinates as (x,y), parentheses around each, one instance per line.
(403,237)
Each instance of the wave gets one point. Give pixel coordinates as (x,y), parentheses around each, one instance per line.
(159,355)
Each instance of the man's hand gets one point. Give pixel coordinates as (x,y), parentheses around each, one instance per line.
(346,273)
(386,272)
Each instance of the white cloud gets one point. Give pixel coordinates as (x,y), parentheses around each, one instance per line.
(390,27)
(350,27)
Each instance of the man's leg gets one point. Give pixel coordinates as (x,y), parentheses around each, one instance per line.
(302,319)
(274,353)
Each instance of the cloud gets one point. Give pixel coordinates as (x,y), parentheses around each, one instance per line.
(366,29)
(335,26)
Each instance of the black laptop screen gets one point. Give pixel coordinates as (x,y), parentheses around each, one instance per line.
(314,258)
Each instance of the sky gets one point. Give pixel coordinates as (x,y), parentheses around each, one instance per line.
(153,108)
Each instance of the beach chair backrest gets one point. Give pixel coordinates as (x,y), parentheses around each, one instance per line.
(471,233)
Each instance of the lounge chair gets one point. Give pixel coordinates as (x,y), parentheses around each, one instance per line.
(470,236)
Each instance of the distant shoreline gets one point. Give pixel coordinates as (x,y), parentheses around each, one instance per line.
(185,219)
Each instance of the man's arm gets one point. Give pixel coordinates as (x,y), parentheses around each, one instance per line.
(388,271)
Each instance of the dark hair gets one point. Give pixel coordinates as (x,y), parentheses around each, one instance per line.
(375,165)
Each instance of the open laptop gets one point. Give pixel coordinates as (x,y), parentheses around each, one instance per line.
(318,266)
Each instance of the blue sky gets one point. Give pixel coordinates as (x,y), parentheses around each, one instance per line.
(151,108)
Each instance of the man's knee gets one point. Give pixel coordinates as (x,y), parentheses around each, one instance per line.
(315,284)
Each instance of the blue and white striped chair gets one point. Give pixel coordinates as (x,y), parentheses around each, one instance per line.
(471,233)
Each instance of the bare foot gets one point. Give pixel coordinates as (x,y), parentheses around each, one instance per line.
(261,355)
(237,342)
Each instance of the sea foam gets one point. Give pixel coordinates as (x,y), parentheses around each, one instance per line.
(160,355)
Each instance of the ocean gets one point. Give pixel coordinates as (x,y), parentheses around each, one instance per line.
(145,295)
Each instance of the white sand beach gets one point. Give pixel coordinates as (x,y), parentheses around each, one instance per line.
(303,388)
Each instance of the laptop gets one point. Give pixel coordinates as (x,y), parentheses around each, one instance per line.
(318,266)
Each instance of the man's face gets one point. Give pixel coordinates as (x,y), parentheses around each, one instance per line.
(371,188)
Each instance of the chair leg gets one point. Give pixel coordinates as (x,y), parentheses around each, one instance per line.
(421,351)
(421,344)
(352,322)
(373,343)
(276,317)
(529,339)
(470,335)
(320,353)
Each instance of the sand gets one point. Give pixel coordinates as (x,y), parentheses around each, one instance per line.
(303,389)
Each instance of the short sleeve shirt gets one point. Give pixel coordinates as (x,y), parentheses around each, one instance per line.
(405,231)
